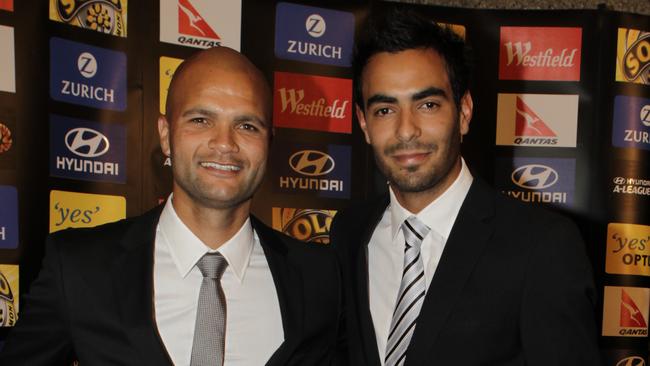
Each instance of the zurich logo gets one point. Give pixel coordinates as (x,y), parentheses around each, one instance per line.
(87,65)
(86,142)
(619,180)
(311,163)
(645,115)
(631,361)
(315,25)
(534,176)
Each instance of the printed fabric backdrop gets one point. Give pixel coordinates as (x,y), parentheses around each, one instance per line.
(562,119)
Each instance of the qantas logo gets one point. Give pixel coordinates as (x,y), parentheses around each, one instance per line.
(86,142)
(190,22)
(630,314)
(534,176)
(311,163)
(527,123)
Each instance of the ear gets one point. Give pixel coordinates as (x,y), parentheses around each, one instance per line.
(361,117)
(465,112)
(163,133)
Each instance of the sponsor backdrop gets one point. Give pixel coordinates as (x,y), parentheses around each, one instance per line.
(562,120)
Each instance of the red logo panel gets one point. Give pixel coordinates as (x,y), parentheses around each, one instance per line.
(192,23)
(540,53)
(312,102)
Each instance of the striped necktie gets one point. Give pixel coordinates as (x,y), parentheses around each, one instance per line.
(411,293)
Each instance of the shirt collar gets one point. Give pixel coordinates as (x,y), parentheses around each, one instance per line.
(186,248)
(440,214)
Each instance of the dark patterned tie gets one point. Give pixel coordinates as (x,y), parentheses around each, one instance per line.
(208,347)
(411,293)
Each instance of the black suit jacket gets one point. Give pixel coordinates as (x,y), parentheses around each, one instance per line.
(93,299)
(513,287)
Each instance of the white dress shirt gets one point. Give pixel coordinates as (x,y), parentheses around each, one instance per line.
(386,250)
(253,322)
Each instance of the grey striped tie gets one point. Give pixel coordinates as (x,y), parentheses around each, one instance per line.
(208,346)
(411,293)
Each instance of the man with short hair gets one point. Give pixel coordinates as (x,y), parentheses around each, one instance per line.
(198,281)
(444,270)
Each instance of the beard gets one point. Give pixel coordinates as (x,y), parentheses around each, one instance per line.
(419,178)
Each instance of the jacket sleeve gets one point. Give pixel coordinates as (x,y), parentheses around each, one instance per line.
(41,335)
(557,319)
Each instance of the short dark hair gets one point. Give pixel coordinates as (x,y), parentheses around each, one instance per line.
(396,29)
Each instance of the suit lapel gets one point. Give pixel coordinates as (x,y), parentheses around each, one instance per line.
(133,288)
(466,242)
(361,273)
(289,288)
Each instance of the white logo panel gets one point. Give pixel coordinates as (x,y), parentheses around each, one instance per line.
(7,60)
(545,120)
(201,23)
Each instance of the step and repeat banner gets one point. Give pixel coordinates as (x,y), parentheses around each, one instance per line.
(561,120)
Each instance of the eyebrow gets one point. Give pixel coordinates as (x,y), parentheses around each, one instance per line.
(212,114)
(425,93)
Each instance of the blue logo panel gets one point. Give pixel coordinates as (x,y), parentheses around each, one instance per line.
(537,180)
(8,217)
(87,150)
(87,75)
(306,33)
(322,170)
(631,127)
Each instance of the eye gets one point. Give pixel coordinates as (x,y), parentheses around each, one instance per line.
(199,120)
(429,105)
(249,127)
(382,112)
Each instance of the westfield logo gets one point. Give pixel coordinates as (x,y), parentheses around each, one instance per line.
(86,142)
(293,98)
(521,54)
(534,176)
(311,163)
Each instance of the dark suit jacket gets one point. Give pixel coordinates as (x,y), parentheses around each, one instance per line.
(513,287)
(93,299)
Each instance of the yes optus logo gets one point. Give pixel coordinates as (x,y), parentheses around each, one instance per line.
(72,209)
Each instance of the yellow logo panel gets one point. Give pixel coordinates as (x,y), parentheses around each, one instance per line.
(628,249)
(633,56)
(71,209)
(304,224)
(105,16)
(8,295)
(168,66)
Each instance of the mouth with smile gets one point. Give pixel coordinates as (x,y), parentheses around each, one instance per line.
(221,168)
(410,158)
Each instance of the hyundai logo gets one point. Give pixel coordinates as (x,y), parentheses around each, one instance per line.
(631,361)
(311,162)
(534,176)
(315,25)
(87,65)
(645,115)
(619,180)
(86,142)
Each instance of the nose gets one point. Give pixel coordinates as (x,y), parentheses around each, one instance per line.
(223,140)
(407,127)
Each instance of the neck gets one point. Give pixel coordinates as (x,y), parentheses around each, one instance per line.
(213,226)
(415,202)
